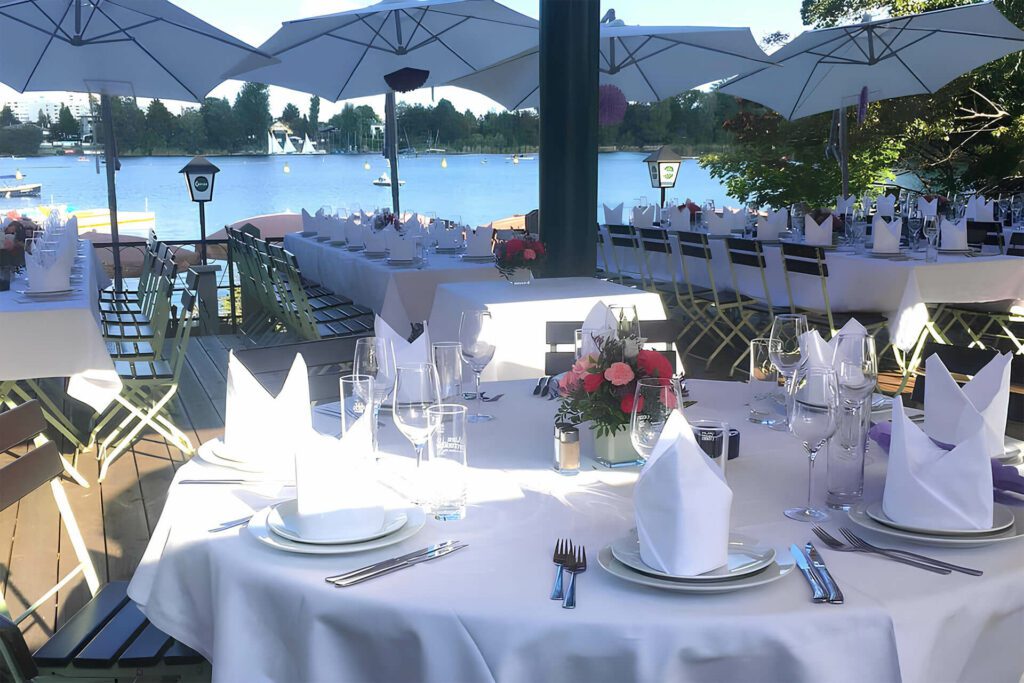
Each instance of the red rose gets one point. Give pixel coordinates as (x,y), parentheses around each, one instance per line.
(539,248)
(627,403)
(513,247)
(592,382)
(653,364)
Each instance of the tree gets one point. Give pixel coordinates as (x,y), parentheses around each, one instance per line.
(7,117)
(160,125)
(314,117)
(252,112)
(20,140)
(222,131)
(67,127)
(290,114)
(190,132)
(42,119)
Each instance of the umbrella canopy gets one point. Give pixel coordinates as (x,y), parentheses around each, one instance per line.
(917,54)
(392,45)
(647,63)
(141,48)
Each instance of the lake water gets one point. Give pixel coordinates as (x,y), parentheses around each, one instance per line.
(474,188)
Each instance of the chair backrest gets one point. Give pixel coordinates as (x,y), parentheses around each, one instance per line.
(659,335)
(748,253)
(980,233)
(326,360)
(803,259)
(966,361)
(1015,247)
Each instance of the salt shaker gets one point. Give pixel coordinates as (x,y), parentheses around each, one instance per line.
(567,449)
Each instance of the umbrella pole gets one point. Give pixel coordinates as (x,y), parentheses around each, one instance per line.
(108,152)
(391,128)
(844,153)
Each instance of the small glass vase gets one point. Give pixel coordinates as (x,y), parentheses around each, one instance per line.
(616,450)
(519,276)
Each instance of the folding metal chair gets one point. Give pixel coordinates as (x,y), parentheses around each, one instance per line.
(748,254)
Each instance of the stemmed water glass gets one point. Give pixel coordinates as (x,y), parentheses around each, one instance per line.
(815,404)
(931,232)
(375,357)
(764,382)
(478,339)
(416,389)
(784,346)
(653,402)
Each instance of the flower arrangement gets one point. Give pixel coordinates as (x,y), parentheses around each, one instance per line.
(600,388)
(12,245)
(384,219)
(518,252)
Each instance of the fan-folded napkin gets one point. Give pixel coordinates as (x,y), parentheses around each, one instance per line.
(928,207)
(478,242)
(643,216)
(816,352)
(818,235)
(402,248)
(448,239)
(682,505)
(953,413)
(406,352)
(769,227)
(978,209)
(844,205)
(886,236)
(720,225)
(600,321)
(678,216)
(612,215)
(374,241)
(953,235)
(353,232)
(885,205)
(929,486)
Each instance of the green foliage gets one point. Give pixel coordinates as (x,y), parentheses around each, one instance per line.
(252,111)
(221,125)
(67,127)
(20,140)
(7,117)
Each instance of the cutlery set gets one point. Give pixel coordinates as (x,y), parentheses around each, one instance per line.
(823,587)
(384,567)
(856,544)
(568,559)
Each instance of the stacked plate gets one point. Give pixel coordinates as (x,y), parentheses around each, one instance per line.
(1005,527)
(750,564)
(278,526)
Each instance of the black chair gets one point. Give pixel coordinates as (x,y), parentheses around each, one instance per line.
(658,333)
(982,233)
(624,238)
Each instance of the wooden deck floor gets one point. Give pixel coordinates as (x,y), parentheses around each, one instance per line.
(117,516)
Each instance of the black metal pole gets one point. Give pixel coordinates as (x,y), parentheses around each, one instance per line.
(391,135)
(844,153)
(202,230)
(569,42)
(108,150)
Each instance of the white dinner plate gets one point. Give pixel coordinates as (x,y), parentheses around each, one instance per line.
(355,247)
(955,251)
(323,238)
(375,254)
(283,521)
(402,261)
(47,295)
(883,254)
(449,250)
(1002,520)
(210,452)
(338,243)
(746,556)
(859,517)
(262,533)
(774,572)
(477,259)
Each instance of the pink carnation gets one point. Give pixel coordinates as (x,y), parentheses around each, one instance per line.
(619,374)
(529,254)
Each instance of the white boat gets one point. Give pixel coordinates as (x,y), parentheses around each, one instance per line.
(25,190)
(309,148)
(287,147)
(385,181)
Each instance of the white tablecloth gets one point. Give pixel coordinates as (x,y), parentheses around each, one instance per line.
(897,289)
(60,338)
(521,312)
(484,614)
(400,295)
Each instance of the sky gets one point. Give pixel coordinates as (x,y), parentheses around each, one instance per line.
(256,20)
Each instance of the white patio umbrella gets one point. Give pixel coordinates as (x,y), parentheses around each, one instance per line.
(349,54)
(136,48)
(647,63)
(917,54)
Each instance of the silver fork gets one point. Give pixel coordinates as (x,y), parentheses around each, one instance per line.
(577,566)
(562,557)
(835,544)
(859,542)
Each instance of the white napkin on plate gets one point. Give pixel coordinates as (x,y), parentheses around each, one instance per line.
(406,352)
(336,486)
(886,236)
(448,239)
(953,235)
(928,208)
(600,322)
(978,209)
(478,243)
(845,204)
(353,233)
(719,225)
(678,216)
(402,249)
(932,488)
(865,203)
(885,205)
(309,223)
(816,352)
(612,215)
(682,505)
(768,228)
(737,218)
(374,241)
(818,235)
(953,413)
(264,430)
(643,216)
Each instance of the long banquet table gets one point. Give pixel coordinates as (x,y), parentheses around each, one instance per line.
(483,614)
(402,295)
(520,313)
(60,338)
(900,289)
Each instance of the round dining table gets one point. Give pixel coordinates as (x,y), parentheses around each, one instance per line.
(484,613)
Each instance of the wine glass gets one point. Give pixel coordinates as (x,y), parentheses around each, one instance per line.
(813,413)
(931,232)
(764,383)
(627,321)
(375,356)
(416,389)
(478,339)
(653,402)
(856,364)
(784,349)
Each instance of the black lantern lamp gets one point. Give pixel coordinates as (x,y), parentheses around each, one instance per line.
(199,176)
(664,166)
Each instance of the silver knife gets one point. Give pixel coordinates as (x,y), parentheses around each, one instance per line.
(835,596)
(393,560)
(801,562)
(405,564)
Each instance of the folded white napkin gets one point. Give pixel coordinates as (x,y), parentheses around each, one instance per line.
(682,505)
(448,239)
(612,215)
(768,228)
(928,208)
(678,216)
(985,210)
(599,322)
(374,240)
(309,223)
(719,225)
(952,413)
(885,205)
(886,236)
(643,216)
(402,249)
(478,243)
(406,352)
(953,235)
(336,487)
(353,233)
(932,488)
(818,235)
(865,203)
(845,204)
(412,222)
(265,430)
(816,352)
(737,218)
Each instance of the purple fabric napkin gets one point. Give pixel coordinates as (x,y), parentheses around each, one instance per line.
(1006,479)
